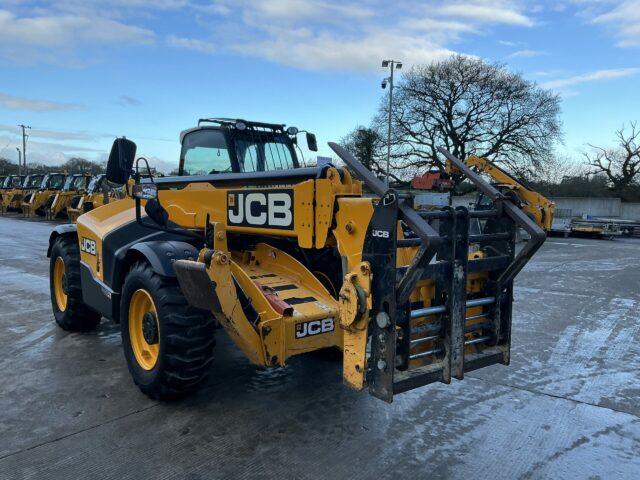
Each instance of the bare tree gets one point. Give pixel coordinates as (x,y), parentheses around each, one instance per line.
(470,107)
(82,165)
(367,146)
(620,164)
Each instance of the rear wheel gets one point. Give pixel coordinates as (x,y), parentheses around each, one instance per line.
(70,312)
(168,345)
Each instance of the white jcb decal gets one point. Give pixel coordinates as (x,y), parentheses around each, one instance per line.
(89,246)
(271,209)
(314,327)
(380,233)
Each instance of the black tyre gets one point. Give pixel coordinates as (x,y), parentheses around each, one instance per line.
(70,312)
(168,345)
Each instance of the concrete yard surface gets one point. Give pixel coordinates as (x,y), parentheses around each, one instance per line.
(568,407)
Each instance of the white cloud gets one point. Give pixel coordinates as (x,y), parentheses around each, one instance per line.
(624,21)
(20,103)
(495,12)
(52,134)
(50,36)
(527,54)
(508,43)
(47,153)
(338,35)
(129,101)
(326,51)
(191,44)
(596,76)
(620,17)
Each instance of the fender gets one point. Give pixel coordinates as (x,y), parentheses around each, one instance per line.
(161,254)
(66,229)
(104,297)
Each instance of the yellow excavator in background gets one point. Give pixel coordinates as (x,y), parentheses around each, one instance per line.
(536,206)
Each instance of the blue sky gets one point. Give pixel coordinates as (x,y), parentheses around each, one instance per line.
(81,72)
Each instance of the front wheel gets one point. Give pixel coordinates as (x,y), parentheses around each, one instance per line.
(168,345)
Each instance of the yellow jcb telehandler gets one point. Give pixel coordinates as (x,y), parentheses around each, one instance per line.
(40,200)
(288,260)
(12,199)
(74,186)
(98,193)
(10,184)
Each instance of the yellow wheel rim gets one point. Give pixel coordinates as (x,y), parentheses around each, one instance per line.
(144,329)
(59,284)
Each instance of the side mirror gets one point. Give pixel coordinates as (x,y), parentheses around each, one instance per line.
(312,143)
(120,163)
(145,191)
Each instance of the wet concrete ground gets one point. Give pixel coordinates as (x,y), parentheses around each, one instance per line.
(567,407)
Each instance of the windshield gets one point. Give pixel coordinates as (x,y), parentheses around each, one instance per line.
(75,183)
(205,152)
(259,154)
(95,184)
(14,182)
(32,181)
(53,182)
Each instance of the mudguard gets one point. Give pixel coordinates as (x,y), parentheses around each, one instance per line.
(66,229)
(161,254)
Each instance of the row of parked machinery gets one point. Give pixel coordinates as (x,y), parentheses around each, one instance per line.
(54,195)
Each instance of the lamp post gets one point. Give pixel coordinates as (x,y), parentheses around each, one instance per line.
(392,65)
(19,161)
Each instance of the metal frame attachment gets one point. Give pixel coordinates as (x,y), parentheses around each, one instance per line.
(414,345)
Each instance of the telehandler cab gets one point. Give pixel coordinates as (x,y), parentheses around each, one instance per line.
(289,260)
(41,199)
(74,186)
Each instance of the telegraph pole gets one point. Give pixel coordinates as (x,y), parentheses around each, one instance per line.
(24,147)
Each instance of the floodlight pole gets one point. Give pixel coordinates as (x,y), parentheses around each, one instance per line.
(24,145)
(19,161)
(392,64)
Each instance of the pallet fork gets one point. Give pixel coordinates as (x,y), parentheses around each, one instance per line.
(463,331)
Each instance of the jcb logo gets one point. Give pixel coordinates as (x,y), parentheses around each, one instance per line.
(255,208)
(314,327)
(89,246)
(380,233)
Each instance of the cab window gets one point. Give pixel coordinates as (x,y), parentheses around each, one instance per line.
(56,182)
(257,154)
(67,183)
(35,181)
(205,152)
(277,156)
(79,182)
(94,184)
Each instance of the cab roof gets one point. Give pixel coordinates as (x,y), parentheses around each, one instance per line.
(234,124)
